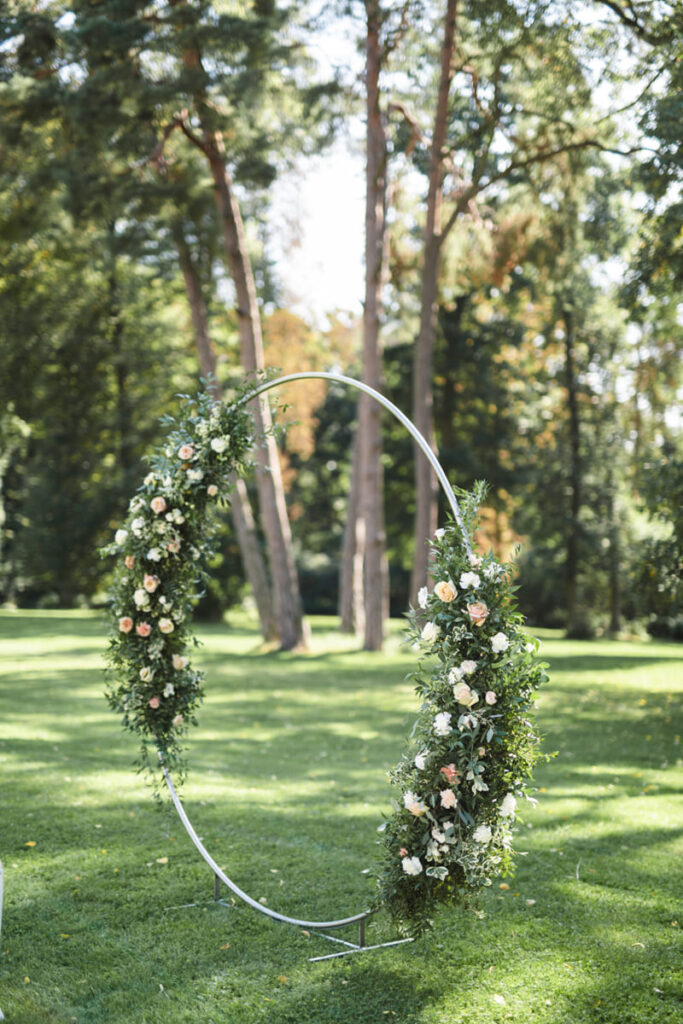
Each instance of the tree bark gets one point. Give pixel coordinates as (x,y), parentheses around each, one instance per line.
(371,489)
(426,486)
(575,481)
(614,558)
(351,606)
(242,515)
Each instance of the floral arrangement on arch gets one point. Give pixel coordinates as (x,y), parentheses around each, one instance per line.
(473,745)
(161,550)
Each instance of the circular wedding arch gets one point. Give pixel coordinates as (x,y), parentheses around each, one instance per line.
(220,877)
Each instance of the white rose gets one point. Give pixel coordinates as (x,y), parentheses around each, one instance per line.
(439,533)
(474,560)
(179,662)
(430,631)
(169,690)
(491,571)
(422,596)
(442,723)
(141,598)
(499,643)
(154,555)
(137,526)
(508,806)
(146,674)
(412,803)
(530,648)
(455,675)
(219,444)
(490,697)
(412,865)
(468,667)
(195,475)
(121,536)
(482,834)
(420,761)
(470,579)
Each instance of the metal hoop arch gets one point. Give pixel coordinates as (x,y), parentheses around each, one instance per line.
(219,874)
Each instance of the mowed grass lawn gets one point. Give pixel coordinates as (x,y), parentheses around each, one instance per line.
(287,787)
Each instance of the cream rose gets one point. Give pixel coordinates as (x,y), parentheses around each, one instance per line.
(490,697)
(186,452)
(212,490)
(430,632)
(179,662)
(150,583)
(464,695)
(412,803)
(448,798)
(166,625)
(158,505)
(412,865)
(442,724)
(121,536)
(499,643)
(219,444)
(445,591)
(146,674)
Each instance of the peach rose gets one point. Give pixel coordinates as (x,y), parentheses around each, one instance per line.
(477,612)
(153,702)
(178,721)
(185,452)
(212,490)
(158,505)
(143,629)
(129,561)
(445,591)
(173,546)
(403,852)
(450,772)
(150,583)
(125,624)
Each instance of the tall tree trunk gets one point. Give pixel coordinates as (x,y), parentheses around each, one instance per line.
(351,606)
(242,515)
(287,598)
(371,497)
(292,627)
(575,479)
(426,487)
(614,555)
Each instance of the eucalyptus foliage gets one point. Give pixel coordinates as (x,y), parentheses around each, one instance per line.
(473,746)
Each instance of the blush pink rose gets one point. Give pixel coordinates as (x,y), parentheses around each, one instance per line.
(173,546)
(212,490)
(153,702)
(125,624)
(478,613)
(129,561)
(158,505)
(185,452)
(490,697)
(150,583)
(143,629)
(178,721)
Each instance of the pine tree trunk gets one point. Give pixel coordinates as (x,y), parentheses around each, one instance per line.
(242,515)
(575,481)
(371,496)
(351,606)
(426,486)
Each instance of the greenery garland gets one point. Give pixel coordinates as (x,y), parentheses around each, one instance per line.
(473,745)
(162,550)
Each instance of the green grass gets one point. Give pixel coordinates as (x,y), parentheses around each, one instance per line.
(287,786)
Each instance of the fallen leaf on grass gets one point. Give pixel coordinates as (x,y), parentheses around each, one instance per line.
(499,999)
(504,885)
(641,945)
(162,860)
(31,842)
(226,946)
(283,979)
(304,932)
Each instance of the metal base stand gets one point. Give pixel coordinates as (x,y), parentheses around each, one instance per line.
(319,927)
